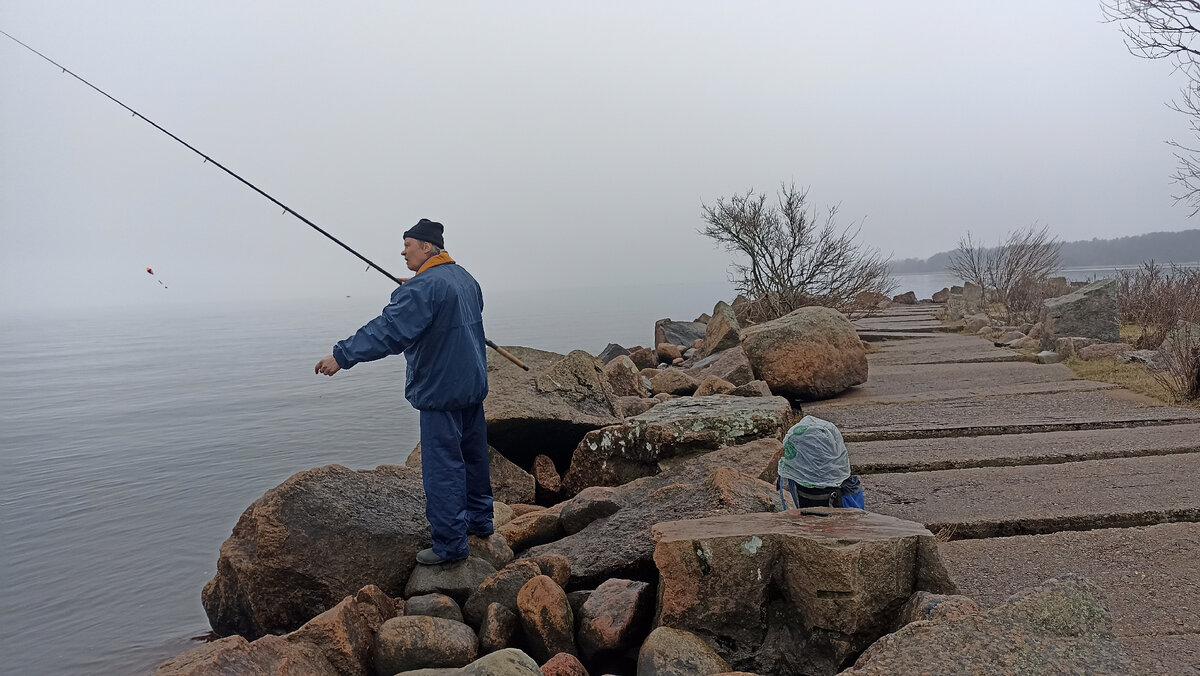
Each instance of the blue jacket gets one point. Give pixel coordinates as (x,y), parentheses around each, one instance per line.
(436,320)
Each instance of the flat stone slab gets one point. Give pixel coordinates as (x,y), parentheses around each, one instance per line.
(941,348)
(908,455)
(886,379)
(921,326)
(617,454)
(856,398)
(788,592)
(877,336)
(1032,499)
(999,414)
(1148,575)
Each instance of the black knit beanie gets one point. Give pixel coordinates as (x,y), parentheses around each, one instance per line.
(427,231)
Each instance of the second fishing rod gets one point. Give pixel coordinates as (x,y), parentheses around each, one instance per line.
(286,209)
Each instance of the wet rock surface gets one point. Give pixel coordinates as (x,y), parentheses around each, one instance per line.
(671,652)
(1060,627)
(417,642)
(621,545)
(615,618)
(456,580)
(784,593)
(547,409)
(675,428)
(500,587)
(316,538)
(546,618)
(812,353)
(1090,312)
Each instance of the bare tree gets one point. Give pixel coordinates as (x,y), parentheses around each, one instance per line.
(792,255)
(1169,29)
(1015,273)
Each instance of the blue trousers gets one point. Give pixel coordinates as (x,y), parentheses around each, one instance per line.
(454,467)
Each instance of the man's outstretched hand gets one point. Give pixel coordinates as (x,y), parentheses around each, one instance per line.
(328,366)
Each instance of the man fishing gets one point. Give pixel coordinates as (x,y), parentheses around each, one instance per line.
(436,319)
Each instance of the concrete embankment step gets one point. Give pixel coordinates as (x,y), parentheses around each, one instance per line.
(915,455)
(1032,499)
(873,336)
(914,326)
(941,348)
(1148,574)
(984,415)
(908,382)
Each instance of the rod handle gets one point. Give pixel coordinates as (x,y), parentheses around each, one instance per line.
(506,354)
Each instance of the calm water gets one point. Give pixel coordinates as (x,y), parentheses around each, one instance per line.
(131,441)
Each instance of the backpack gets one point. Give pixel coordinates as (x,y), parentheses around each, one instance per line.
(815,467)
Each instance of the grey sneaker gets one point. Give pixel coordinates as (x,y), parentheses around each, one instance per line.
(426,557)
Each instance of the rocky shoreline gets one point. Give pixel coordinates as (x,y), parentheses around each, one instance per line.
(637,531)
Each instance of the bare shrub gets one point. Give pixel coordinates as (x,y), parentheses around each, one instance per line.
(1156,298)
(1181,355)
(792,256)
(1015,274)
(1169,29)
(1164,304)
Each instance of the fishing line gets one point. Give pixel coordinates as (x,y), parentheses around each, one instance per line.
(227,170)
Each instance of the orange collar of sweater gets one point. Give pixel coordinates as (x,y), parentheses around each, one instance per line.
(434,261)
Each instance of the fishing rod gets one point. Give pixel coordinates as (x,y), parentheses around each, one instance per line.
(286,209)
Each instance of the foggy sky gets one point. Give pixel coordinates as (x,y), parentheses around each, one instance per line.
(563,144)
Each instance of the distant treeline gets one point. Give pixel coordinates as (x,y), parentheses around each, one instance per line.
(1164,247)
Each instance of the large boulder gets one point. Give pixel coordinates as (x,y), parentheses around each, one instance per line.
(1058,627)
(714,385)
(668,353)
(722,331)
(678,333)
(500,587)
(812,353)
(941,296)
(546,618)
(564,664)
(510,484)
(507,662)
(547,409)
(319,536)
(1090,312)
(672,652)
(906,298)
(673,381)
(498,629)
(532,528)
(267,656)
(975,323)
(422,642)
(625,378)
(434,605)
(644,358)
(456,580)
(345,633)
(611,352)
(730,365)
(621,545)
(638,446)
(340,640)
(786,592)
(1102,350)
(615,618)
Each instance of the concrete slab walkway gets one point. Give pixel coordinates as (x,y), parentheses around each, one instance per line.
(1031,473)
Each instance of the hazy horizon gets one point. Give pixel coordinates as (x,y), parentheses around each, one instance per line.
(563,146)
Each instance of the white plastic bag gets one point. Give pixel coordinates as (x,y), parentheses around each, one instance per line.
(814,454)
